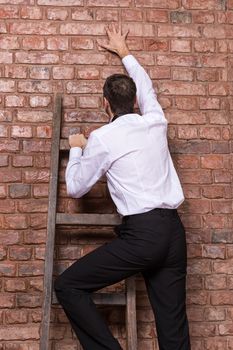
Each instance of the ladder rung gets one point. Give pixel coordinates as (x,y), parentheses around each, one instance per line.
(104,298)
(88,219)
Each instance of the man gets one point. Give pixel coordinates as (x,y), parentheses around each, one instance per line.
(133,152)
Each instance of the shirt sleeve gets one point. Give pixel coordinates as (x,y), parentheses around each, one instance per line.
(146,96)
(84,170)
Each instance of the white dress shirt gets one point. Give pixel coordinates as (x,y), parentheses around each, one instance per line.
(133,153)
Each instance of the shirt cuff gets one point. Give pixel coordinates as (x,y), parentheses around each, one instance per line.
(129,61)
(75,152)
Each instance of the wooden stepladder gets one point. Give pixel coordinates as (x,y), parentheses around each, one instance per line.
(127,298)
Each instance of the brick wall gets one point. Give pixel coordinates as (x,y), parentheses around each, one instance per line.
(46,47)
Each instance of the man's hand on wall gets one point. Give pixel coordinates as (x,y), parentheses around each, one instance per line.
(117,41)
(77,140)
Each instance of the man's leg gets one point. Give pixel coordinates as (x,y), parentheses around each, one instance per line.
(143,242)
(166,291)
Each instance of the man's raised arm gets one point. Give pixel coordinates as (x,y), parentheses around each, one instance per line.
(146,96)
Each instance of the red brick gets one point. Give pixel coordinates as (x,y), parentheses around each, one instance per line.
(4,160)
(181,45)
(182,74)
(113,15)
(215,282)
(215,344)
(218,89)
(35,176)
(7,85)
(187,132)
(221,298)
(3,28)
(206,5)
(16,316)
(182,17)
(19,190)
(204,46)
(213,191)
(36,146)
(212,162)
(39,73)
(63,73)
(181,117)
(9,43)
(188,161)
(225,206)
(85,58)
(210,133)
(82,43)
(207,74)
(192,191)
(197,297)
(16,221)
(156,45)
(9,11)
(84,87)
(180,88)
(9,237)
(83,29)
(89,102)
(213,251)
(7,175)
(40,191)
(22,161)
(15,101)
(5,116)
(21,131)
(34,116)
(31,12)
(57,14)
(15,72)
(88,74)
(3,130)
(7,269)
(167,4)
(215,31)
(19,332)
(37,58)
(114,3)
(44,131)
(6,301)
(60,2)
(214,221)
(3,191)
(209,103)
(160,73)
(31,268)
(177,60)
(214,61)
(187,103)
(20,253)
(57,43)
(178,31)
(39,101)
(15,285)
(35,87)
(215,314)
(37,28)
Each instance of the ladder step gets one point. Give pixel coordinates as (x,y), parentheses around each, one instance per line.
(88,219)
(103,299)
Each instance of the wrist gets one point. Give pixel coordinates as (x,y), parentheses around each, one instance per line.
(123,52)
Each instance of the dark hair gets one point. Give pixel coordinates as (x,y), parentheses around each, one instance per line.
(120,91)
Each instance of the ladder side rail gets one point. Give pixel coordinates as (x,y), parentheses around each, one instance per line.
(51,226)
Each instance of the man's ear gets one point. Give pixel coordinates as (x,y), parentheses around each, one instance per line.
(135,103)
(107,108)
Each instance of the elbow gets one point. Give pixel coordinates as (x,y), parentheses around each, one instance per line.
(73,191)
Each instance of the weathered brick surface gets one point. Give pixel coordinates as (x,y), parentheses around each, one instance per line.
(49,46)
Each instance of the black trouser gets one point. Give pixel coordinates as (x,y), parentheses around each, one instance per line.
(152,243)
